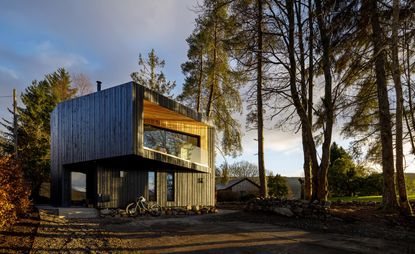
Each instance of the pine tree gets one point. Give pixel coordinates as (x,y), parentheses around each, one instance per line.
(39,99)
(211,84)
(151,75)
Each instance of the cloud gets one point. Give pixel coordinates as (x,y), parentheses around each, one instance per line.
(47,55)
(8,72)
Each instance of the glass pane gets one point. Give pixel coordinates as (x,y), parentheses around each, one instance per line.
(78,188)
(174,143)
(152,186)
(170,186)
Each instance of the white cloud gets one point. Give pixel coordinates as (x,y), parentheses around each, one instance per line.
(48,55)
(9,72)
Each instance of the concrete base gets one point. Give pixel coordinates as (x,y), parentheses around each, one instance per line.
(71,212)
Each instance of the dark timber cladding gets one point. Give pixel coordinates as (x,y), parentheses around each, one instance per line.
(101,135)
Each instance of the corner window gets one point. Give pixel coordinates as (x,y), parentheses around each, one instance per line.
(170,186)
(178,144)
(152,195)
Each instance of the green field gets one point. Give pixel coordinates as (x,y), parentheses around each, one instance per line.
(364,198)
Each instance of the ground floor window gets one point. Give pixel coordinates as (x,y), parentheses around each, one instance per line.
(170,186)
(152,195)
(78,188)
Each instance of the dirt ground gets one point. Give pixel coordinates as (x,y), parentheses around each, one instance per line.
(226,232)
(20,238)
(358,230)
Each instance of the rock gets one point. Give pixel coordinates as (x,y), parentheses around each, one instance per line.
(188,207)
(298,210)
(327,204)
(105,211)
(283,211)
(195,208)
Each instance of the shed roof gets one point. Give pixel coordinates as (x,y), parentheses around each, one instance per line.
(234,182)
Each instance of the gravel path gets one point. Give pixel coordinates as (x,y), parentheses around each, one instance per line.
(196,234)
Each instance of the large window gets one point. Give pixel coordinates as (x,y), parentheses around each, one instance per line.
(152,195)
(174,143)
(170,186)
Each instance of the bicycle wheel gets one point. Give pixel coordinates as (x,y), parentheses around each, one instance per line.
(155,210)
(132,210)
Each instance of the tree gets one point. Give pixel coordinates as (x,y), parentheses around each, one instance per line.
(82,83)
(241,169)
(249,45)
(211,84)
(277,186)
(33,129)
(344,177)
(389,194)
(400,177)
(151,75)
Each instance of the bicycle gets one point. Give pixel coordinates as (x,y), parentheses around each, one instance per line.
(141,207)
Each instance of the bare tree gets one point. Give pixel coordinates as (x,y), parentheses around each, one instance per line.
(82,83)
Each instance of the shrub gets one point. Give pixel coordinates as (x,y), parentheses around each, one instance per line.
(277,186)
(248,197)
(14,192)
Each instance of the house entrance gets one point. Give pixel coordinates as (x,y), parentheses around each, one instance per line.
(78,189)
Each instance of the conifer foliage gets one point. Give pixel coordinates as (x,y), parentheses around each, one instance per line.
(33,126)
(151,75)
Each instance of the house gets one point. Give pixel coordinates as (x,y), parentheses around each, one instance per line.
(240,186)
(250,185)
(128,141)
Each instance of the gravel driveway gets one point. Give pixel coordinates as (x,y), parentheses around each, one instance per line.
(196,234)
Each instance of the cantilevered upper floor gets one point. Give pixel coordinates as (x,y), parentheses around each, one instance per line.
(130,120)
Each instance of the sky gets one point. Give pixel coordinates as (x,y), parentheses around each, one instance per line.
(103,39)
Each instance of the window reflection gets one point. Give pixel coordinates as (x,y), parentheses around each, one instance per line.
(152,186)
(170,186)
(170,142)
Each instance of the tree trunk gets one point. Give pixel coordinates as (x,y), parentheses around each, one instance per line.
(410,101)
(260,124)
(400,177)
(199,83)
(307,182)
(214,80)
(389,194)
(327,104)
(302,113)
(306,165)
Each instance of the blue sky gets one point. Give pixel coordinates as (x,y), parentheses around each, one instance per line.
(102,39)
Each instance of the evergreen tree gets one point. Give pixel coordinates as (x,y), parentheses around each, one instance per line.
(33,132)
(151,75)
(212,85)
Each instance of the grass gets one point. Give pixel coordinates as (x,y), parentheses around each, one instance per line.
(365,198)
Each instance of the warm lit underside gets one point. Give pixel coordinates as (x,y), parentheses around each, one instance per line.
(155,112)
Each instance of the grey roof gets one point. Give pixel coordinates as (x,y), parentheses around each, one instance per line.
(232,182)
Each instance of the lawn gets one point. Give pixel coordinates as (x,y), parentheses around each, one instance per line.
(364,198)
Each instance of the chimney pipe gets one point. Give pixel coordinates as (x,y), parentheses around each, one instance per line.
(99,85)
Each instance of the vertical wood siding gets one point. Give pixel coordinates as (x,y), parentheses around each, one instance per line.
(109,124)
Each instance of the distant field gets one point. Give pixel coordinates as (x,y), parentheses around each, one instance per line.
(364,198)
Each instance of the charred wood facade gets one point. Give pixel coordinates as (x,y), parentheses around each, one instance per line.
(102,135)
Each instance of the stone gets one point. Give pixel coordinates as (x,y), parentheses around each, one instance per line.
(283,211)
(105,211)
(297,210)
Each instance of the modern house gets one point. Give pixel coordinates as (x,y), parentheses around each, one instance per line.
(129,141)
